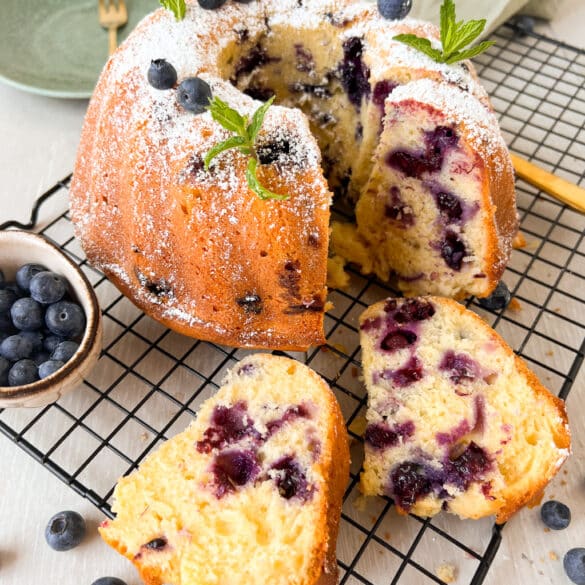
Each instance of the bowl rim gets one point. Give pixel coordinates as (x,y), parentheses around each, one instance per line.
(92,326)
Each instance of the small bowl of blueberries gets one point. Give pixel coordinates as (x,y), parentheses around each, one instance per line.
(50,321)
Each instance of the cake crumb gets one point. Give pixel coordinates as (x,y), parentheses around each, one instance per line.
(329,306)
(386,535)
(549,353)
(447,572)
(552,555)
(514,305)
(354,372)
(519,241)
(360,503)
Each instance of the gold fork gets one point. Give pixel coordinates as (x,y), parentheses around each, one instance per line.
(112,16)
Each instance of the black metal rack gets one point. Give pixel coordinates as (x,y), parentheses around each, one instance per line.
(149,381)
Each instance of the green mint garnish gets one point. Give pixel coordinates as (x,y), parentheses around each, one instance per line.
(177,7)
(454,37)
(244,138)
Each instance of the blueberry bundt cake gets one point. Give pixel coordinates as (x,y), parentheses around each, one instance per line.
(196,249)
(251,492)
(456,421)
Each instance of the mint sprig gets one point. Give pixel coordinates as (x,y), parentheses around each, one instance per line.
(454,37)
(177,7)
(244,140)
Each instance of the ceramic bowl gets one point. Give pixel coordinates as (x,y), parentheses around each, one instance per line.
(18,248)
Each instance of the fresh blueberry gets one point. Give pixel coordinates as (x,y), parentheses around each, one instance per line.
(161,74)
(194,94)
(4,367)
(499,299)
(574,564)
(64,351)
(65,319)
(394,9)
(109,581)
(6,324)
(47,287)
(23,372)
(35,337)
(49,367)
(524,25)
(211,4)
(40,357)
(25,273)
(27,314)
(555,515)
(7,298)
(65,530)
(16,347)
(51,342)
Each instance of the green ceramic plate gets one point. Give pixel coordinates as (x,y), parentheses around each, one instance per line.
(57,47)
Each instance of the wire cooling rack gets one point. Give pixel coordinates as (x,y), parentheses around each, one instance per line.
(150,381)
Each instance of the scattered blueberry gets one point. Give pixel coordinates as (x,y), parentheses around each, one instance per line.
(65,351)
(211,4)
(4,367)
(398,339)
(16,347)
(23,372)
(555,515)
(233,468)
(109,581)
(394,9)
(290,479)
(25,273)
(574,564)
(161,74)
(47,287)
(354,72)
(27,314)
(7,298)
(65,530)
(499,298)
(194,94)
(409,483)
(49,367)
(65,318)
(524,25)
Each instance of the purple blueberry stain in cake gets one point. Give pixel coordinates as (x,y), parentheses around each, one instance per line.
(468,467)
(381,436)
(304,59)
(410,373)
(451,437)
(319,91)
(409,483)
(291,414)
(354,72)
(229,424)
(290,479)
(414,310)
(371,324)
(449,206)
(453,250)
(290,276)
(459,367)
(256,58)
(397,210)
(441,139)
(398,339)
(411,164)
(233,468)
(246,369)
(381,91)
(390,305)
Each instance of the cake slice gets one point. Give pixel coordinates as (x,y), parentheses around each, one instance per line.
(251,492)
(456,421)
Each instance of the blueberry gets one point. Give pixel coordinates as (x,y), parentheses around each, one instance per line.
(47,287)
(23,372)
(290,479)
(233,468)
(524,25)
(65,530)
(161,74)
(211,4)
(40,357)
(35,337)
(51,342)
(194,94)
(555,515)
(394,9)
(27,314)
(65,319)
(7,298)
(49,367)
(64,351)
(16,347)
(6,324)
(574,564)
(398,339)
(109,581)
(4,367)
(25,273)
(409,483)
(499,298)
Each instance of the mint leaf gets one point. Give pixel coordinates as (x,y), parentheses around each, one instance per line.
(423,45)
(177,7)
(229,118)
(257,120)
(231,142)
(454,37)
(255,185)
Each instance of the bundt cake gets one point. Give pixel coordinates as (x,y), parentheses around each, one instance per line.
(251,492)
(456,421)
(195,248)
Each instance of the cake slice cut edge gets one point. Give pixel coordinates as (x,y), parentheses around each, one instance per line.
(250,491)
(456,420)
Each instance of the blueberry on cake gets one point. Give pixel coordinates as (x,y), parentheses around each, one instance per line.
(455,420)
(251,492)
